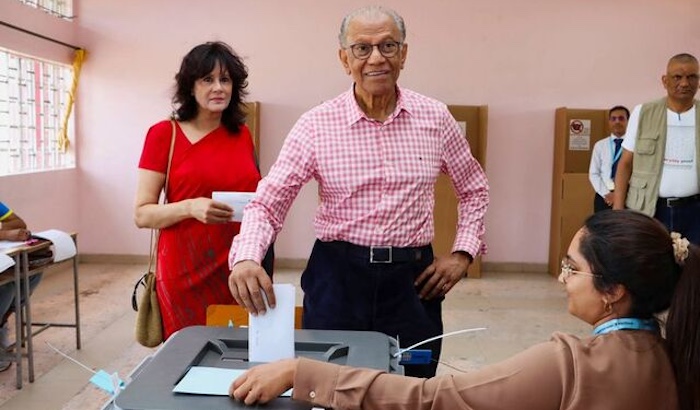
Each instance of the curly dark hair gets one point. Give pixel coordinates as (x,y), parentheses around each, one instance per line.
(198,63)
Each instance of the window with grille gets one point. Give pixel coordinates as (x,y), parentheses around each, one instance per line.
(33,100)
(58,8)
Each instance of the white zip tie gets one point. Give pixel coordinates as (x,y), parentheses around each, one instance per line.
(71,359)
(100,378)
(456,332)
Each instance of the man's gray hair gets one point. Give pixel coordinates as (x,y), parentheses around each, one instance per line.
(372,12)
(683,58)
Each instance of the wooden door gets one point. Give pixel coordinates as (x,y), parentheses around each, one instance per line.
(252,120)
(474,119)
(576,132)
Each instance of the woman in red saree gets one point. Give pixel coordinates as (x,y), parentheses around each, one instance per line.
(213,151)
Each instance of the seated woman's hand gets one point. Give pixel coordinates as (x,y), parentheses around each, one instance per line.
(208,211)
(19,234)
(264,382)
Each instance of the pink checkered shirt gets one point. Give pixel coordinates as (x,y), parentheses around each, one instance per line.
(376,180)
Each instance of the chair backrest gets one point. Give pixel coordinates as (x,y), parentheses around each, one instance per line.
(235,315)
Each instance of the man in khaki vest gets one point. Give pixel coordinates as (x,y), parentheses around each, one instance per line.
(658,172)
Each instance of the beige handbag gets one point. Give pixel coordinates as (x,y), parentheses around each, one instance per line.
(149,324)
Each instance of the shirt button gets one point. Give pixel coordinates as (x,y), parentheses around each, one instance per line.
(312,394)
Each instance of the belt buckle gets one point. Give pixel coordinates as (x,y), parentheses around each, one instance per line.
(671,202)
(384,255)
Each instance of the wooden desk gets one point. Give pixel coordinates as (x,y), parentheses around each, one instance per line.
(20,275)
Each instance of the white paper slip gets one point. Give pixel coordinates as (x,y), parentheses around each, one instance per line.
(271,336)
(63,245)
(212,381)
(236,200)
(5,262)
(7,245)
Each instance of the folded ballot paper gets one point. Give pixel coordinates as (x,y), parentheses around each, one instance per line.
(271,336)
(236,200)
(63,245)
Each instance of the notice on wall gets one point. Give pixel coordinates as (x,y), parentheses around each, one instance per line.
(579,135)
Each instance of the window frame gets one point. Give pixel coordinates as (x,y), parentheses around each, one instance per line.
(33,103)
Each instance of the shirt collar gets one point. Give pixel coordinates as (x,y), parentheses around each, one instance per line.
(355,113)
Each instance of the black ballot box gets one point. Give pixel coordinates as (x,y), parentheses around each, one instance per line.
(227,347)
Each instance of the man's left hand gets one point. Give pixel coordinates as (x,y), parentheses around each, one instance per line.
(442,275)
(609,198)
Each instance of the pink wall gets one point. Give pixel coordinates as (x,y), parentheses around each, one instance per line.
(523,59)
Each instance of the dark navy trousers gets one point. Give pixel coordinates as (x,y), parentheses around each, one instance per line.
(344,291)
(684,218)
(599,204)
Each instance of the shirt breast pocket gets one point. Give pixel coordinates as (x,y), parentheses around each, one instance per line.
(646,144)
(423,169)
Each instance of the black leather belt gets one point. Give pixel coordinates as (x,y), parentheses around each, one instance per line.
(672,202)
(385,254)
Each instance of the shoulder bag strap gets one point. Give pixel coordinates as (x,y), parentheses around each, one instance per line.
(165,194)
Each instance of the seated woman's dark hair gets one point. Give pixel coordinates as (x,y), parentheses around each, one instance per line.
(632,249)
(636,251)
(198,63)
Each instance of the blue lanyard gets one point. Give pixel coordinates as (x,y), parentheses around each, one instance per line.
(626,323)
(615,156)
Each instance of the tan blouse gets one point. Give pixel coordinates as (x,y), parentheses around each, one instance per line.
(620,370)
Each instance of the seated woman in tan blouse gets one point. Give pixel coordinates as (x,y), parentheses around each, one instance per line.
(621,269)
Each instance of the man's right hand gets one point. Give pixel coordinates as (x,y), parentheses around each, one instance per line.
(247,281)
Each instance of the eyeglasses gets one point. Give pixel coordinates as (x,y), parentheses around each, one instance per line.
(362,51)
(567,271)
(618,118)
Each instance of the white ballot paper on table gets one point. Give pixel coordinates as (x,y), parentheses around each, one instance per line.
(5,245)
(271,336)
(236,200)
(63,245)
(212,381)
(6,262)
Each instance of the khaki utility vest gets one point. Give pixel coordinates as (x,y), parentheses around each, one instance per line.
(649,150)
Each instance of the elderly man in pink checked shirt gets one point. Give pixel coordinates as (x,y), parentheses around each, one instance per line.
(376,152)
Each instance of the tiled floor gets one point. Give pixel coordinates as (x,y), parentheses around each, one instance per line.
(518,309)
